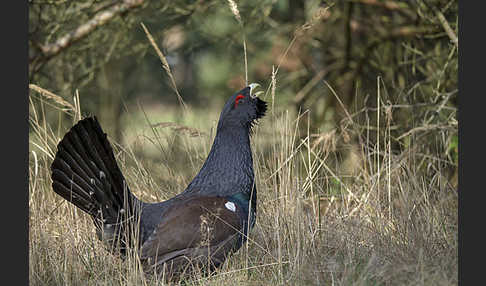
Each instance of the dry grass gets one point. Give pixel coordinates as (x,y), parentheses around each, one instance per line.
(386,220)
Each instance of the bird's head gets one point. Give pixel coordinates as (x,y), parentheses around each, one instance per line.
(243,108)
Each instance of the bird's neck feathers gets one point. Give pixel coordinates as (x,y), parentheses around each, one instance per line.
(229,166)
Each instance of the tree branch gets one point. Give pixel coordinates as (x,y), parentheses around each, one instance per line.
(443,21)
(99,19)
(446,27)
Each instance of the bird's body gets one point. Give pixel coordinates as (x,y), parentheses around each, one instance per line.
(197,228)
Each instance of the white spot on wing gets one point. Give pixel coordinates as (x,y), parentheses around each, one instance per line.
(231,206)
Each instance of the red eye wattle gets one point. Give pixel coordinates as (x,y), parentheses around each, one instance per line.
(238,99)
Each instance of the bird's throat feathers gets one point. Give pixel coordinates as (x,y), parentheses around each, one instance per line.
(229,163)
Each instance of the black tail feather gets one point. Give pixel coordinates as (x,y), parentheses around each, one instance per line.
(85,173)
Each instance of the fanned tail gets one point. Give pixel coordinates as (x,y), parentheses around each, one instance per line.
(85,173)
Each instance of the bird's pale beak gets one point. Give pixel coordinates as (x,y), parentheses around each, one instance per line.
(252,87)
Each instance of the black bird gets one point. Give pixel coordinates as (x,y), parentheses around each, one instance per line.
(196,229)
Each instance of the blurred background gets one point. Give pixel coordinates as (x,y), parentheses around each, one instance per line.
(356,161)
(336,59)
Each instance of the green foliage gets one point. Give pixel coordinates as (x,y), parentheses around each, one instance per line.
(453,149)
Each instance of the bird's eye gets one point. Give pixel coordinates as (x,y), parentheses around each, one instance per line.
(239,99)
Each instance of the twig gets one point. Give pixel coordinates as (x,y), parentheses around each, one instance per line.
(339,101)
(101,18)
(165,65)
(300,96)
(446,27)
(443,21)
(422,128)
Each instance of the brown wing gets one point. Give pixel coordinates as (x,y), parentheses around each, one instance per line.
(197,231)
